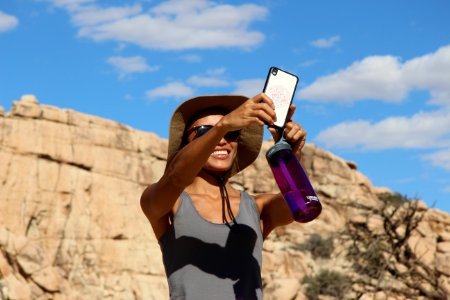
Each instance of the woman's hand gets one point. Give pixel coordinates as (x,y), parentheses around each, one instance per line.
(259,109)
(294,134)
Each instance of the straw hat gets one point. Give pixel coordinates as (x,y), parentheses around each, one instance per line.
(250,138)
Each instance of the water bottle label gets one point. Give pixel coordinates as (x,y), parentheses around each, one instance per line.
(312,198)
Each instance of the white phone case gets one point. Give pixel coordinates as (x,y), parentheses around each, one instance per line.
(280,87)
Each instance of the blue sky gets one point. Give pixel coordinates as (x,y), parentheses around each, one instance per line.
(374,75)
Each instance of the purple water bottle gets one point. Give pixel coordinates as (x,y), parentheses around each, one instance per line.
(293,182)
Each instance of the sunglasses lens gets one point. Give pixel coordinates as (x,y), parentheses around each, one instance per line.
(232,135)
(201,130)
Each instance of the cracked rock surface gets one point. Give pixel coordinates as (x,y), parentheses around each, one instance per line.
(71,226)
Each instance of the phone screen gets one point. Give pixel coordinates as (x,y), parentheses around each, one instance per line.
(280,87)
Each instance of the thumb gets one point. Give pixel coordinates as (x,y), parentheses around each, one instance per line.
(291,112)
(275,134)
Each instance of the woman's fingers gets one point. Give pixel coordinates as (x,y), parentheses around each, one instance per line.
(295,135)
(261,97)
(265,117)
(275,133)
(288,129)
(292,129)
(262,107)
(266,109)
(259,109)
(291,111)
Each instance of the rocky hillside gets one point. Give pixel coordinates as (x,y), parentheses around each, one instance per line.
(71,226)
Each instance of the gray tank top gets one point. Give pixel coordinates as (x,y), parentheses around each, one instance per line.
(205,260)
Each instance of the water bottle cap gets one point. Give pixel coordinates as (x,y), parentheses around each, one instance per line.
(282,144)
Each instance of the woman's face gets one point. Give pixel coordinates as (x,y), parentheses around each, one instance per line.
(224,154)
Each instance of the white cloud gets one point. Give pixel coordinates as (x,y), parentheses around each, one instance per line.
(191,58)
(171,25)
(425,130)
(91,15)
(207,81)
(440,159)
(249,87)
(430,72)
(180,6)
(326,42)
(7,22)
(216,72)
(129,65)
(212,79)
(386,78)
(308,63)
(171,90)
(71,5)
(374,77)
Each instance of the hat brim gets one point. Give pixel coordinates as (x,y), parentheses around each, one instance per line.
(250,138)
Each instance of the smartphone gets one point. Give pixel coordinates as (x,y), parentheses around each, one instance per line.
(280,87)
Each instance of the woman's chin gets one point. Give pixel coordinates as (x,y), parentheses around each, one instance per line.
(218,169)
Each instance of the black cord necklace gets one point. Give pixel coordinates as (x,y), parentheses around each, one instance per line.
(226,205)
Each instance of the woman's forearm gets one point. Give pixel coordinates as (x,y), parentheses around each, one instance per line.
(189,161)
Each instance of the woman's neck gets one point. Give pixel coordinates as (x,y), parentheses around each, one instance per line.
(206,183)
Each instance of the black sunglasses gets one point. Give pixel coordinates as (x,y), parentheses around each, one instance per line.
(202,129)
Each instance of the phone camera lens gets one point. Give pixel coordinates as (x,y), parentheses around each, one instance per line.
(274,71)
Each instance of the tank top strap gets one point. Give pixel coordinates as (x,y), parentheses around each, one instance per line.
(186,205)
(185,199)
(249,206)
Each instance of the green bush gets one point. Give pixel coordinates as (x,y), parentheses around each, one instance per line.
(370,262)
(326,282)
(318,246)
(395,199)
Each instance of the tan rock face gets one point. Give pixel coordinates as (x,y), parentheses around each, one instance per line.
(71,226)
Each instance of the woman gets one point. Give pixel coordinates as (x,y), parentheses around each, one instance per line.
(210,233)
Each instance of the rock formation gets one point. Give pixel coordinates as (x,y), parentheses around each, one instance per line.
(71,226)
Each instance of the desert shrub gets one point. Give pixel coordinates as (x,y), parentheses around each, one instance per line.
(318,246)
(370,261)
(326,282)
(379,257)
(395,199)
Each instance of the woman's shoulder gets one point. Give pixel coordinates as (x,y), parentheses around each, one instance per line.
(262,200)
(263,197)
